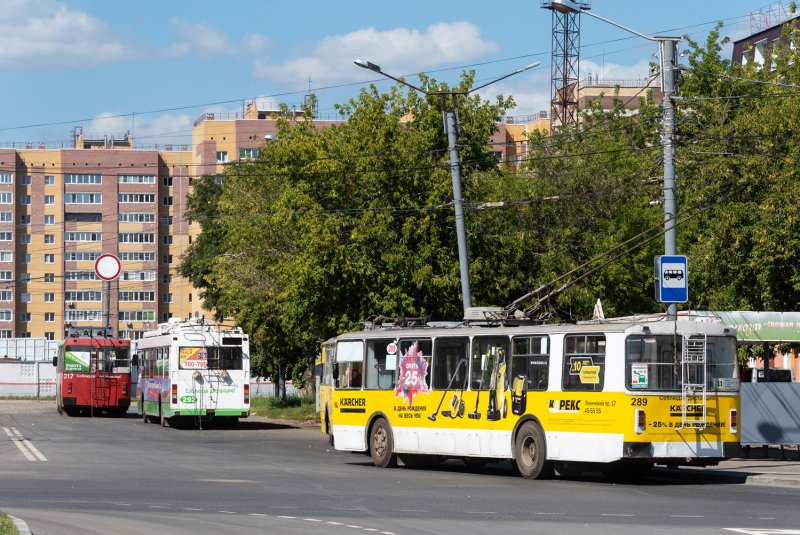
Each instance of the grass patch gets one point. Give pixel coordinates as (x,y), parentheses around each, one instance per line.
(7,526)
(301,408)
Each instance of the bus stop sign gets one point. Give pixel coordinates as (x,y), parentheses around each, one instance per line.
(671,279)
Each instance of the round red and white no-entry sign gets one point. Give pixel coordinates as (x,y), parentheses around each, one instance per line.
(107,267)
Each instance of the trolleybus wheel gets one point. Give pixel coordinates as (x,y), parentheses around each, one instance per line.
(381,446)
(530,452)
(328,429)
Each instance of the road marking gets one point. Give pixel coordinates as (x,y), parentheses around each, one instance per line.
(370,529)
(686,516)
(227,512)
(354,526)
(24,445)
(764,531)
(387,533)
(554,514)
(158,507)
(284,516)
(312,520)
(615,514)
(335,523)
(257,514)
(191,509)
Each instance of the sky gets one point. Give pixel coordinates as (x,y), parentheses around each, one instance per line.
(153,67)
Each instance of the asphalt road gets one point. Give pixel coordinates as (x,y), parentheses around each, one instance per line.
(88,475)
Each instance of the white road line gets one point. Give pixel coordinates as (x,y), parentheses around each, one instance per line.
(284,516)
(33,449)
(370,529)
(553,514)
(157,507)
(257,514)
(686,516)
(335,523)
(8,431)
(387,533)
(354,526)
(312,520)
(227,512)
(764,531)
(615,514)
(191,509)
(28,455)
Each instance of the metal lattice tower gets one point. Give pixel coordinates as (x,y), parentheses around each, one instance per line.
(565,50)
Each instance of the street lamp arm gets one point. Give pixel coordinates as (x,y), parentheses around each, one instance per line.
(364,64)
(523,69)
(629,30)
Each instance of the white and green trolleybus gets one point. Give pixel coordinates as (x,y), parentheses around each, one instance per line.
(193,370)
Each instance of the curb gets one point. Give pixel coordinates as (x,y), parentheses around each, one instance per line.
(22,527)
(729,476)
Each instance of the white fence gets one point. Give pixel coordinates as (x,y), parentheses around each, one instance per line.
(27,379)
(28,349)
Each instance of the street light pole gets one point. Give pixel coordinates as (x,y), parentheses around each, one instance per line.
(451,130)
(667,51)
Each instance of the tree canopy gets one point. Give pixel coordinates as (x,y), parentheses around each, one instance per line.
(328,226)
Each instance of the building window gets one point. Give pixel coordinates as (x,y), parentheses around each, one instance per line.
(6,217)
(5,315)
(190,297)
(6,275)
(49,238)
(137,237)
(83,236)
(167,181)
(24,200)
(25,297)
(167,259)
(136,179)
(5,236)
(137,217)
(166,220)
(49,180)
(6,197)
(24,317)
(248,154)
(6,295)
(24,239)
(25,219)
(81,256)
(168,298)
(25,278)
(71,178)
(26,258)
(48,219)
(137,257)
(142,297)
(80,275)
(168,201)
(83,315)
(50,335)
(26,334)
(49,259)
(138,275)
(5,333)
(222,156)
(49,317)
(85,295)
(49,277)
(6,256)
(167,240)
(83,198)
(49,297)
(6,178)
(49,199)
(25,180)
(124,198)
(166,278)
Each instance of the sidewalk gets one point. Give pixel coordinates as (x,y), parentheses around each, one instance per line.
(758,466)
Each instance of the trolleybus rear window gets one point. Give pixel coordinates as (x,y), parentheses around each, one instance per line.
(210,358)
(654,362)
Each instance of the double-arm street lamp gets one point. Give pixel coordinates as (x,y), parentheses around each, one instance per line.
(668,67)
(451,130)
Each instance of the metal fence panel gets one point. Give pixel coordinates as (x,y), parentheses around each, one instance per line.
(27,379)
(770,413)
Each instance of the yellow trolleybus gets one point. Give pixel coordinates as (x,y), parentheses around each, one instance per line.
(620,396)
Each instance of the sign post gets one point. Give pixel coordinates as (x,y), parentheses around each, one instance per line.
(107,267)
(671,278)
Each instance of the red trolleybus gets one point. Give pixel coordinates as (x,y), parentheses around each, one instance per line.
(93,373)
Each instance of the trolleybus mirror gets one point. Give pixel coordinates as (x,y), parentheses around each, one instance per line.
(135,360)
(335,371)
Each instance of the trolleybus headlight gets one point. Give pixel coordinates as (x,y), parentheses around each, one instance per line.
(734,421)
(640,423)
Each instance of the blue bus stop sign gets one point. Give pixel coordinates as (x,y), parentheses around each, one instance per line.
(671,277)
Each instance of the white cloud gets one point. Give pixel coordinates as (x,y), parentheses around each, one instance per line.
(37,34)
(147,130)
(531,91)
(200,39)
(256,42)
(399,51)
(614,71)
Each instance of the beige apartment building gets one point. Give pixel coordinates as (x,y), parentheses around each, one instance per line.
(61,208)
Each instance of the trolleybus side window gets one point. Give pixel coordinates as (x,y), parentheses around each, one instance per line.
(584,362)
(350,357)
(381,366)
(531,359)
(418,348)
(449,368)
(489,362)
